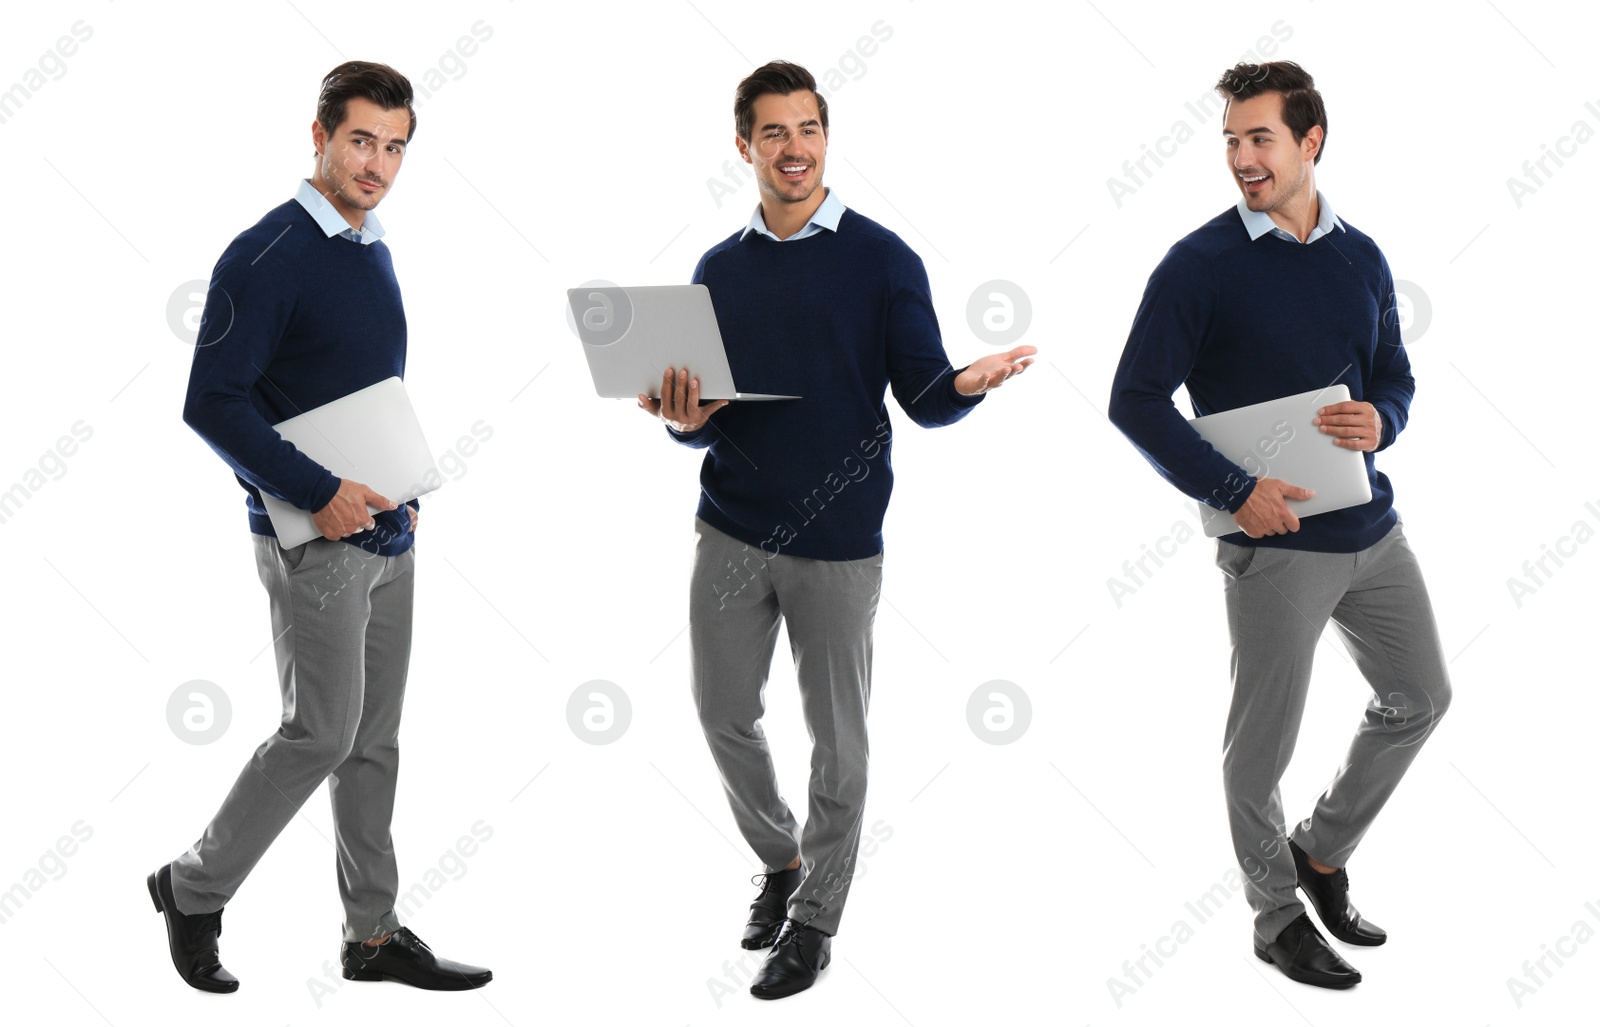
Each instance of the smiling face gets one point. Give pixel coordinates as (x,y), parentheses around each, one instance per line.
(1269,167)
(787,146)
(357,164)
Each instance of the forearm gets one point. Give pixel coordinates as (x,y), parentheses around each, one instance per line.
(931,399)
(1165,438)
(693,439)
(232,426)
(1392,399)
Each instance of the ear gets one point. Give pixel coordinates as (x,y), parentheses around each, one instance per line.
(1311,145)
(319,137)
(743,146)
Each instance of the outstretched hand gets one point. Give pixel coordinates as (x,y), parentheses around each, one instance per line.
(991,372)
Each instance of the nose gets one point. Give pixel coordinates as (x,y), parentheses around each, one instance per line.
(377,162)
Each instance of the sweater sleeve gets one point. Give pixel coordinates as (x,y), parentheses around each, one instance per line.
(1392,386)
(1169,331)
(920,374)
(248,309)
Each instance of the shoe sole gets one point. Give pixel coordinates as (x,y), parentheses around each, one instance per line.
(155,897)
(373,975)
(1338,984)
(1347,939)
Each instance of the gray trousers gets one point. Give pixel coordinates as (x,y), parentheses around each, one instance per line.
(738,596)
(342,620)
(1278,603)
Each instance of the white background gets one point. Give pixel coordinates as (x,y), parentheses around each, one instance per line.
(576,143)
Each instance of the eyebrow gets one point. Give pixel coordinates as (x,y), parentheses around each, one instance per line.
(809,122)
(1262,130)
(363,133)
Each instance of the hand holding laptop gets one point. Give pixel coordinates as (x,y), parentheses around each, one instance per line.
(369,436)
(347,512)
(1354,424)
(679,404)
(1269,442)
(629,335)
(1266,513)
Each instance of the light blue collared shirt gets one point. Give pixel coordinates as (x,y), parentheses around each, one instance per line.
(825,216)
(1259,222)
(332,222)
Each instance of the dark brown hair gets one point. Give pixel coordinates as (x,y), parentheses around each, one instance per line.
(780,77)
(376,82)
(1302,104)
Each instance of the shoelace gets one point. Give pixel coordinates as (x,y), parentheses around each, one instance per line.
(764,881)
(412,937)
(793,930)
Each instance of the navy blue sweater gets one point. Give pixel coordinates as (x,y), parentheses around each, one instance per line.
(1238,322)
(293,319)
(837,318)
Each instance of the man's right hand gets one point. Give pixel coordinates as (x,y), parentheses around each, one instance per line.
(679,404)
(1266,513)
(346,513)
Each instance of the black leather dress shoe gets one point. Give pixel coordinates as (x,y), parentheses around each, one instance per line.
(1330,897)
(769,908)
(406,958)
(797,957)
(191,938)
(1305,956)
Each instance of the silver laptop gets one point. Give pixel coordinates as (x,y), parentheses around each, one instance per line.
(632,335)
(1276,439)
(371,435)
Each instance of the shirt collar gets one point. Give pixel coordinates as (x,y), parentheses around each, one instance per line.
(826,216)
(1259,222)
(331,221)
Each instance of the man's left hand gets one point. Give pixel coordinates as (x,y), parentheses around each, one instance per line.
(992,371)
(413,511)
(1353,424)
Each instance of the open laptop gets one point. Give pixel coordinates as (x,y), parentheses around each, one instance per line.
(371,435)
(1276,439)
(632,335)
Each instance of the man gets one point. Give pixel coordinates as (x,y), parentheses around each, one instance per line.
(812,300)
(1274,297)
(304,308)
